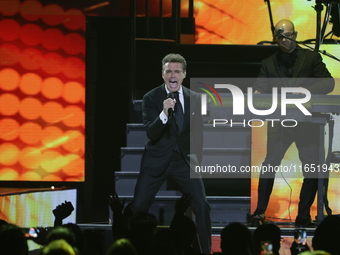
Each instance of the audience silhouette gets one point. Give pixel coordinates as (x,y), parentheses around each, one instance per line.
(236,239)
(122,246)
(142,231)
(164,243)
(59,247)
(327,235)
(267,233)
(317,252)
(94,242)
(12,240)
(137,234)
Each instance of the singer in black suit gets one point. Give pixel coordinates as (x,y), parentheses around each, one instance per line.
(295,67)
(173,146)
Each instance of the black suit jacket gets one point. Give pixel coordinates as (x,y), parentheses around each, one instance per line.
(163,138)
(308,72)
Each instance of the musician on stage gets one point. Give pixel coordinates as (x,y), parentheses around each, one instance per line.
(292,64)
(172,145)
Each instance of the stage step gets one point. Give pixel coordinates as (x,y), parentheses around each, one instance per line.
(226,136)
(229,198)
(131,158)
(236,157)
(224,209)
(135,135)
(224,145)
(126,181)
(220,136)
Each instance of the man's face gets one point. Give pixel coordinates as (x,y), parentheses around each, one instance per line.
(173,75)
(285,44)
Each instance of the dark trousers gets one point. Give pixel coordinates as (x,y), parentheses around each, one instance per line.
(147,187)
(279,139)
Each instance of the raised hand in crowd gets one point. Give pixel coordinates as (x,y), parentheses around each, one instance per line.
(119,224)
(182,204)
(61,212)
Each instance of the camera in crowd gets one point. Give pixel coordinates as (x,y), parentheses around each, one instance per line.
(37,232)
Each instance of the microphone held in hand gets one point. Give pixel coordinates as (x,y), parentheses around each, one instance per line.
(170,110)
(279,32)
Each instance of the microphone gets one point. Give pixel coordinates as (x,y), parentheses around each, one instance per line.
(170,110)
(279,32)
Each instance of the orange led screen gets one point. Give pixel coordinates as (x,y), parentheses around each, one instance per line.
(42,88)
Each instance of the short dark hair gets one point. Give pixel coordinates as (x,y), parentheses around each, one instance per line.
(175,58)
(12,240)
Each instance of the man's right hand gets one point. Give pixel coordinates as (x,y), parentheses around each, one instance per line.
(167,104)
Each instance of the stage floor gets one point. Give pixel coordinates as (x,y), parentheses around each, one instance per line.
(285,230)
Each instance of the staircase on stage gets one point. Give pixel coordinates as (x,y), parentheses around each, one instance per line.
(229,199)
